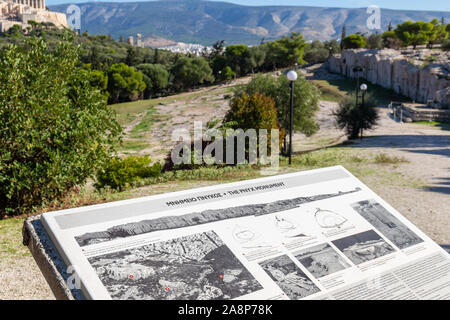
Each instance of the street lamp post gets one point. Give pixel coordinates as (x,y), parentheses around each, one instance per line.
(292,76)
(363,89)
(357,70)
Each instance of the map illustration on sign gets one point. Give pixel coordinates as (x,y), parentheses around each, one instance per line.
(195,267)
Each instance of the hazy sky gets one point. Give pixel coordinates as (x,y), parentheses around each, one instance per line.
(438,5)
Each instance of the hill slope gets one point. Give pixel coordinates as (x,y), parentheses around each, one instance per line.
(205,22)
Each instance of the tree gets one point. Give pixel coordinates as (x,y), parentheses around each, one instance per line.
(333,46)
(255,57)
(227,74)
(236,56)
(390,27)
(255,111)
(415,33)
(391,41)
(440,31)
(306,100)
(316,52)
(375,41)
(354,119)
(286,52)
(55,128)
(446,45)
(217,49)
(124,83)
(132,58)
(157,78)
(189,72)
(343,36)
(354,41)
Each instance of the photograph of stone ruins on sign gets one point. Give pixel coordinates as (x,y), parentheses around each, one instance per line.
(289,277)
(194,267)
(321,260)
(386,223)
(363,247)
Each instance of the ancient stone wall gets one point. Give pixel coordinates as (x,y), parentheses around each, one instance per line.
(422,75)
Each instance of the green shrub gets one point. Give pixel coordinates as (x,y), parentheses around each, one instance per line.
(55,128)
(119,173)
(354,119)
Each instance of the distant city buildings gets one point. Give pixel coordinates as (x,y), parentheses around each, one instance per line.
(188,48)
(179,47)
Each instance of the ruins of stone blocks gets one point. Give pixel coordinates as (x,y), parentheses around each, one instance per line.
(422,75)
(138,42)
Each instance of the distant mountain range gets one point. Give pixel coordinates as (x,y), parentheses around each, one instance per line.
(204,22)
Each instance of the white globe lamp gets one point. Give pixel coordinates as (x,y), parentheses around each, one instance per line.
(292,75)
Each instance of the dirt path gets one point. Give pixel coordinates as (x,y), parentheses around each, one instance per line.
(428,151)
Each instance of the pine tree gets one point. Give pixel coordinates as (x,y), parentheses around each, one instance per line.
(156,56)
(343,35)
(390,28)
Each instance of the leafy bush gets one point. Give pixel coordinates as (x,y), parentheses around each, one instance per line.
(55,128)
(354,119)
(119,173)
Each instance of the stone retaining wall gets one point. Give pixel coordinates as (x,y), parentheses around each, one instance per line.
(422,75)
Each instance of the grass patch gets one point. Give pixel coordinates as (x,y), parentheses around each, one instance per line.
(383,158)
(133,145)
(335,90)
(11,238)
(146,122)
(442,125)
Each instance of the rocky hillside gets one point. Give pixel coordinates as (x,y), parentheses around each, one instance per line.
(205,22)
(422,75)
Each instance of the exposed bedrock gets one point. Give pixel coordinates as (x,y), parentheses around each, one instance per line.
(422,75)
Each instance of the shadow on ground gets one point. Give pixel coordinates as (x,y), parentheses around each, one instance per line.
(441,185)
(419,144)
(406,142)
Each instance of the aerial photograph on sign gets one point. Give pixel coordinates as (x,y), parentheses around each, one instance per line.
(194,267)
(387,224)
(288,276)
(321,260)
(363,247)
